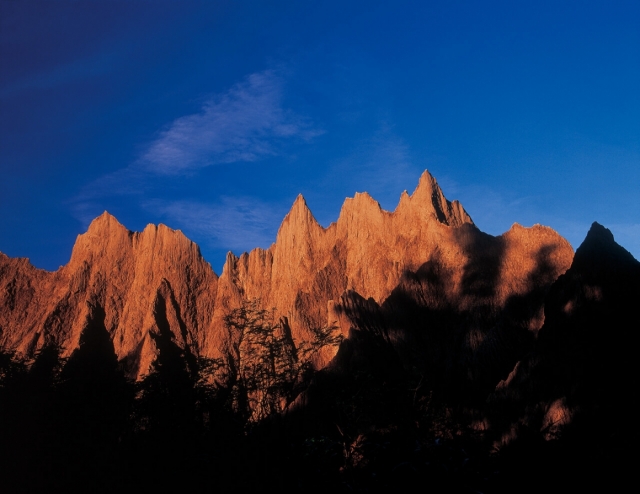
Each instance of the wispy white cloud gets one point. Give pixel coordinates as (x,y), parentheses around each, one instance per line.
(246,123)
(381,165)
(125,181)
(492,210)
(236,223)
(85,212)
(88,203)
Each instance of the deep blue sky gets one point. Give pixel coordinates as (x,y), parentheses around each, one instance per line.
(211,117)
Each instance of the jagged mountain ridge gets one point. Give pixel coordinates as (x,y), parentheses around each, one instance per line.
(127,274)
(312,275)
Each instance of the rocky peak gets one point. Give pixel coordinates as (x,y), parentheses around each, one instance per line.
(360,215)
(360,203)
(106,236)
(108,240)
(598,234)
(298,233)
(229,264)
(166,242)
(428,202)
(299,220)
(599,247)
(104,227)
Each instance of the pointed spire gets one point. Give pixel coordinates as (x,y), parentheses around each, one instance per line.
(430,201)
(229,266)
(600,244)
(298,223)
(426,183)
(299,204)
(299,214)
(599,232)
(105,223)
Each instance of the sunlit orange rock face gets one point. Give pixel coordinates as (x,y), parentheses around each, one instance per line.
(425,258)
(128,274)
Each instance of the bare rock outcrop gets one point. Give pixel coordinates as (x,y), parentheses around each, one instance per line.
(124,273)
(390,269)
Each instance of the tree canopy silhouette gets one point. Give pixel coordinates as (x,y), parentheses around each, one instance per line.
(265,370)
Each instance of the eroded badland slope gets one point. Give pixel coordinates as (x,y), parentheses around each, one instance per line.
(438,289)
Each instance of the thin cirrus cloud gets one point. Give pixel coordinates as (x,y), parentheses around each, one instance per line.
(381,165)
(246,123)
(236,223)
(89,202)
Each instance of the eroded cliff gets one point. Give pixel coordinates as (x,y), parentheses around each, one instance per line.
(425,257)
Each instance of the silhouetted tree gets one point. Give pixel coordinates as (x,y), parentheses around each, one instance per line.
(12,369)
(44,373)
(13,373)
(93,405)
(263,365)
(166,397)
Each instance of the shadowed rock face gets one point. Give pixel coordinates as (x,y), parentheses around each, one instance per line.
(581,377)
(400,274)
(464,321)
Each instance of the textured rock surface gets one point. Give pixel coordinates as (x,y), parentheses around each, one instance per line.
(426,255)
(130,275)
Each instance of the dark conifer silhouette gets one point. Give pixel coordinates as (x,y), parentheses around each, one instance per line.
(93,404)
(264,368)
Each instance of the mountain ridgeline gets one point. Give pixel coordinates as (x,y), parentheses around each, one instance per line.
(426,256)
(387,333)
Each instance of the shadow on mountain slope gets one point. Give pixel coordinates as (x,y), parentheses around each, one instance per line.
(451,327)
(569,405)
(404,402)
